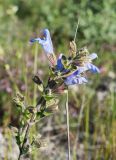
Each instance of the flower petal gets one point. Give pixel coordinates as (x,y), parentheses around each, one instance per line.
(82,80)
(75,80)
(59,65)
(32,40)
(46,42)
(80,70)
(92,68)
(35,39)
(93,56)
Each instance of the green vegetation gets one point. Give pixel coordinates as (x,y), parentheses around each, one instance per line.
(92,107)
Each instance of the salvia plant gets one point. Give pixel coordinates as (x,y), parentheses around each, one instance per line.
(63,72)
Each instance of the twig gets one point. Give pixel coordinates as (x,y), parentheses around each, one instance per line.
(68,129)
(76,30)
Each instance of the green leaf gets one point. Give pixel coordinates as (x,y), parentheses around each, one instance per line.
(19,101)
(49,97)
(46,113)
(52,102)
(39,142)
(40,87)
(40,114)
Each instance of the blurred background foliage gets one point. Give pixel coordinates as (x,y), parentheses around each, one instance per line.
(21,20)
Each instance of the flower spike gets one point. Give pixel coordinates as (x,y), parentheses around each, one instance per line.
(68,70)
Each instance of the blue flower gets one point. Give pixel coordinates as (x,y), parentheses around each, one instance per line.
(45,42)
(75,79)
(92,68)
(59,66)
(86,63)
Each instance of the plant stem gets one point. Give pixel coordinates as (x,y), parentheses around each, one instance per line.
(35,70)
(79,123)
(68,130)
(26,136)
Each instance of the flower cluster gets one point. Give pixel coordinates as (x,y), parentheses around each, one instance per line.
(70,70)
